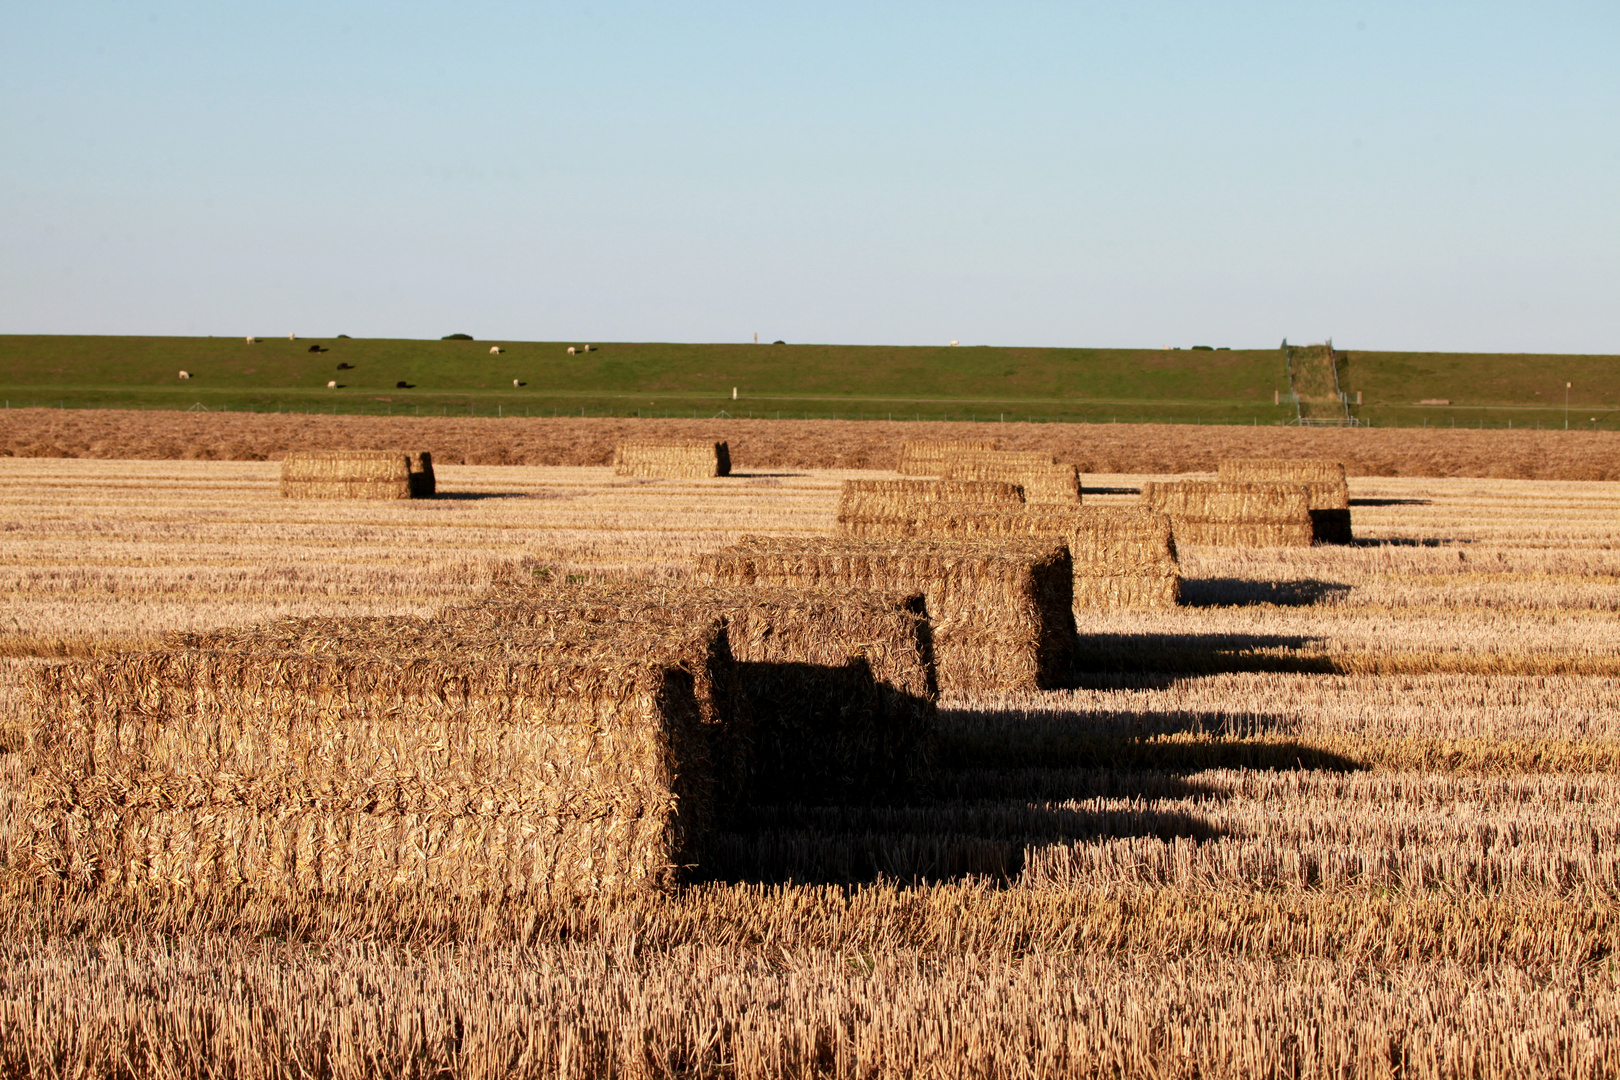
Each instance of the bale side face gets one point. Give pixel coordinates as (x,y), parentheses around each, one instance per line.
(927,457)
(1043,480)
(1121,557)
(356,474)
(577,773)
(673,459)
(862,499)
(1233,514)
(1000,613)
(840,685)
(1325,488)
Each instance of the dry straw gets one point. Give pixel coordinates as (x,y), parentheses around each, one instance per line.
(840,684)
(684,459)
(1123,558)
(357,474)
(1233,515)
(379,754)
(1000,613)
(927,457)
(1324,482)
(1042,478)
(897,500)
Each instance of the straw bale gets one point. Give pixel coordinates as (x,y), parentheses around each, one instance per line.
(357,474)
(840,685)
(1122,557)
(927,457)
(1324,482)
(575,766)
(1043,479)
(861,500)
(1233,514)
(684,458)
(1000,613)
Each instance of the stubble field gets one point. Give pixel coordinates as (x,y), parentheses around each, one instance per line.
(1346,812)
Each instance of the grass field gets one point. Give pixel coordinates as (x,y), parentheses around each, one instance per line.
(821,381)
(1349,811)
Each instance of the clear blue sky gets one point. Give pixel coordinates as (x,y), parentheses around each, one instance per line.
(1403,175)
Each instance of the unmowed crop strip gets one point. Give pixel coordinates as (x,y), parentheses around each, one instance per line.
(1344,810)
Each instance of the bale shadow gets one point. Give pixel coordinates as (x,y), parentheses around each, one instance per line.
(1391,502)
(1198,654)
(1409,541)
(479,496)
(764,475)
(1089,490)
(1244,592)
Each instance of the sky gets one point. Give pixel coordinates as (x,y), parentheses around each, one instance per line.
(1430,176)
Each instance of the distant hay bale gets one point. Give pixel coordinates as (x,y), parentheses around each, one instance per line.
(1324,482)
(385,754)
(1232,514)
(839,684)
(921,457)
(685,458)
(1000,613)
(1123,558)
(357,474)
(1043,479)
(875,500)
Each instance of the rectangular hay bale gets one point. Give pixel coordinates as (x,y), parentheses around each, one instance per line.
(1041,477)
(672,458)
(1233,514)
(357,474)
(572,767)
(1000,612)
(926,457)
(839,685)
(1325,486)
(896,499)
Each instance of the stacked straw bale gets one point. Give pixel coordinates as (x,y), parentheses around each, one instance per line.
(840,685)
(1233,515)
(1324,482)
(1000,613)
(377,754)
(927,457)
(684,459)
(356,474)
(861,501)
(1041,477)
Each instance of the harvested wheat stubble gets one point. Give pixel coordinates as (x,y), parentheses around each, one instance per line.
(567,767)
(840,685)
(863,500)
(1042,478)
(1233,515)
(356,474)
(1122,557)
(1324,482)
(1000,613)
(926,457)
(686,458)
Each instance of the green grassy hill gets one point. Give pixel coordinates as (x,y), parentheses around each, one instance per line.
(931,382)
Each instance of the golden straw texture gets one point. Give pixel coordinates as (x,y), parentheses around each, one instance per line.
(684,459)
(1324,482)
(357,474)
(1233,515)
(927,457)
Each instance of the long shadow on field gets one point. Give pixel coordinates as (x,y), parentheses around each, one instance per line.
(1198,654)
(479,496)
(1087,489)
(1244,592)
(1004,784)
(1391,502)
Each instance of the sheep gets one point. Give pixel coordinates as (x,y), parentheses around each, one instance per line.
(252,340)
(588,348)
(953,342)
(494,349)
(570,350)
(331,384)
(292,337)
(516,383)
(185,374)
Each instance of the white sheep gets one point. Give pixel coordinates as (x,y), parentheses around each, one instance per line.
(494,349)
(292,337)
(331,384)
(516,383)
(588,348)
(253,340)
(185,374)
(570,350)
(953,343)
